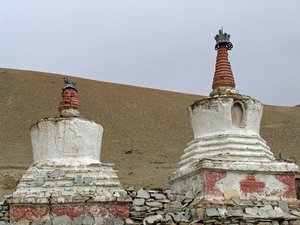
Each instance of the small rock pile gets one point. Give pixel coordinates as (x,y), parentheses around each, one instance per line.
(159,206)
(4,211)
(252,211)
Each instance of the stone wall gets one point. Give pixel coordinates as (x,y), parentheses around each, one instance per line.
(162,207)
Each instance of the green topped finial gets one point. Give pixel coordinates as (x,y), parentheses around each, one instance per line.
(69,85)
(223,38)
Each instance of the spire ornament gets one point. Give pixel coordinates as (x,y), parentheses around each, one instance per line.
(223,38)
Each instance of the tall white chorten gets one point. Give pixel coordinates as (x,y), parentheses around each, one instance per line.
(67,177)
(227,153)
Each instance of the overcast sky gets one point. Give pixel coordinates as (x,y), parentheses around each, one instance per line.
(159,44)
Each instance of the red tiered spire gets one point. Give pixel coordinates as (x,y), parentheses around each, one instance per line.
(223,74)
(69,100)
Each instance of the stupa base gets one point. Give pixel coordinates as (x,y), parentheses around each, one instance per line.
(49,189)
(221,179)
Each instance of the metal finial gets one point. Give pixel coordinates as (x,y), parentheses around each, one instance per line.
(69,85)
(223,38)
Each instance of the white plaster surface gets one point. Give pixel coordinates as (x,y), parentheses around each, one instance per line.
(212,116)
(218,136)
(66,139)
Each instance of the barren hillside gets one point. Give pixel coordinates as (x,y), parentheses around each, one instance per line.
(145,130)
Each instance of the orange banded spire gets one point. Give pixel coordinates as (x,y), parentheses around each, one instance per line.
(223,74)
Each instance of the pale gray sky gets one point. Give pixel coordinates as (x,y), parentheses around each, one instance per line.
(159,44)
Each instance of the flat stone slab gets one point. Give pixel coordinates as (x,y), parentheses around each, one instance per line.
(212,212)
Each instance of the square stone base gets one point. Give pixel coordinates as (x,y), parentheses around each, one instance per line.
(216,179)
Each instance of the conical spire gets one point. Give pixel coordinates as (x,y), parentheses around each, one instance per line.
(223,74)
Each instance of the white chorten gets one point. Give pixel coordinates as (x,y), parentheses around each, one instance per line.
(67,177)
(227,153)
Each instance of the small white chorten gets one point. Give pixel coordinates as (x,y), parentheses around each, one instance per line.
(67,177)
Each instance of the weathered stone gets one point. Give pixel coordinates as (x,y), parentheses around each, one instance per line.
(143,194)
(212,212)
(284,223)
(3,223)
(231,212)
(236,200)
(279,210)
(274,214)
(253,198)
(164,201)
(229,194)
(131,188)
(99,220)
(239,211)
(77,221)
(172,205)
(154,209)
(295,213)
(23,222)
(263,214)
(117,221)
(158,196)
(169,218)
(189,195)
(267,207)
(172,197)
(154,219)
(140,209)
(137,214)
(128,221)
(108,221)
(154,204)
(49,222)
(284,206)
(37,223)
(56,173)
(5,219)
(78,179)
(88,180)
(5,208)
(274,222)
(62,220)
(222,212)
(172,210)
(295,222)
(88,221)
(133,194)
(138,201)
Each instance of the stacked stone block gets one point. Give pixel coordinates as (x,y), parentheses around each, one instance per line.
(4,212)
(158,206)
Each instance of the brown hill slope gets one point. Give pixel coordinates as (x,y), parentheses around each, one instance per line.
(145,130)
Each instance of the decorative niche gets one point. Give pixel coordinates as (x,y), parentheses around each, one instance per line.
(237,113)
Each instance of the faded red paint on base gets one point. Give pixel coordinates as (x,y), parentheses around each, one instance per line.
(251,185)
(31,213)
(289,180)
(42,213)
(211,178)
(119,210)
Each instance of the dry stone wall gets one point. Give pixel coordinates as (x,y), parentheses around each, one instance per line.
(162,207)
